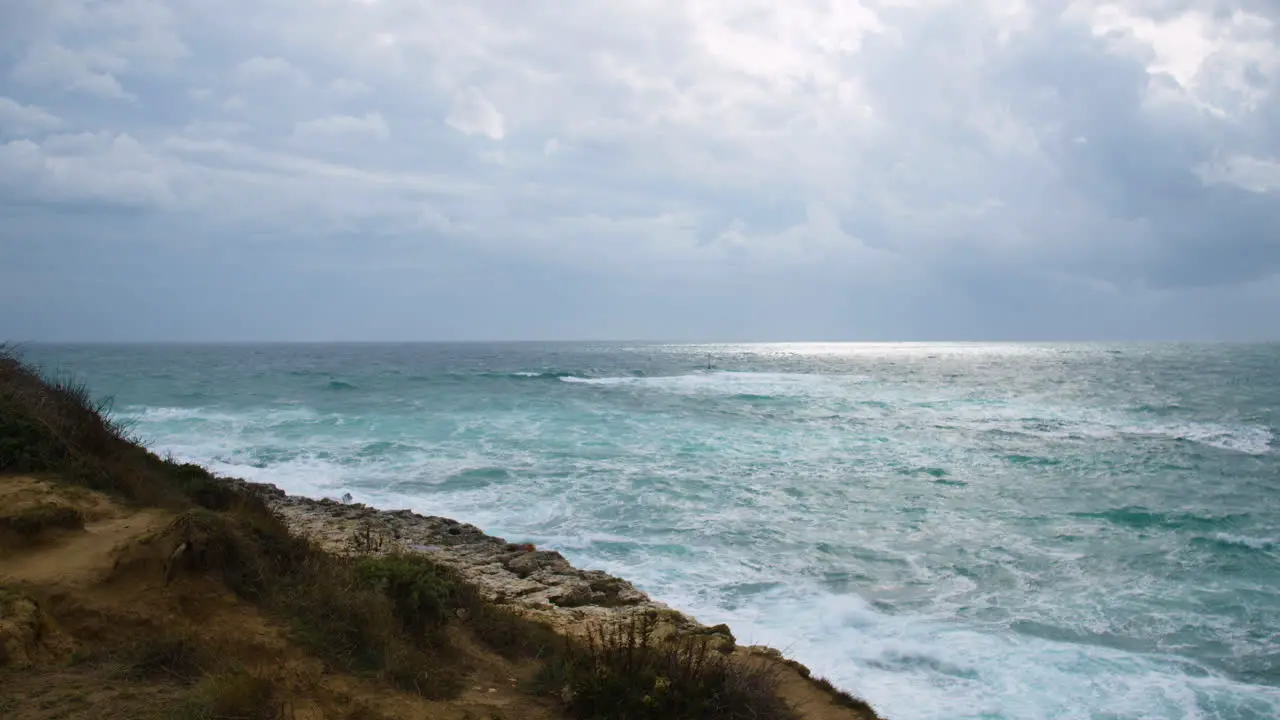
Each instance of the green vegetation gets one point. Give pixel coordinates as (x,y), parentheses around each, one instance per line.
(421,593)
(628,672)
(52,425)
(231,695)
(358,615)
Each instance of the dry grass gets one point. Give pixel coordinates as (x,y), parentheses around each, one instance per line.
(165,656)
(31,522)
(231,695)
(50,423)
(625,671)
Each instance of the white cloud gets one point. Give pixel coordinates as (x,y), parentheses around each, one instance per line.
(214,128)
(19,119)
(1209,54)
(87,167)
(474,114)
(53,65)
(337,127)
(1251,173)
(347,88)
(271,72)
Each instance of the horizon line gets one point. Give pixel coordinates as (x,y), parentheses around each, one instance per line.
(637,341)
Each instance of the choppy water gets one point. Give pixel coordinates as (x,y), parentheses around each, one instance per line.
(951,531)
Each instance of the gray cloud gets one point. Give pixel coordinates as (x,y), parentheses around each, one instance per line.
(19,119)
(890,168)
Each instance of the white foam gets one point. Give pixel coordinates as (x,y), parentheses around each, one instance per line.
(1253,543)
(734,383)
(922,668)
(922,664)
(1067,423)
(910,667)
(1249,439)
(158,414)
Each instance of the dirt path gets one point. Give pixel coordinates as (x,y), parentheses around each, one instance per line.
(72,557)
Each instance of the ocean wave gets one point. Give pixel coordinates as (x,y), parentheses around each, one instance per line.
(1248,439)
(266,417)
(161,414)
(541,374)
(751,386)
(472,478)
(912,666)
(340,385)
(386,448)
(1142,518)
(1251,439)
(1243,541)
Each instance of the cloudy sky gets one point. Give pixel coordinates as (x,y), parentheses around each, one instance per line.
(692,169)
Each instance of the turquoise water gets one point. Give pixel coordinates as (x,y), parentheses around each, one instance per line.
(949,530)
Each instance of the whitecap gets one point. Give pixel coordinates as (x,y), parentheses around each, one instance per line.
(1253,543)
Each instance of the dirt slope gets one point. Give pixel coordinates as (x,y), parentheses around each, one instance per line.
(77,605)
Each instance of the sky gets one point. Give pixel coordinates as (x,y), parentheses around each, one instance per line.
(275,170)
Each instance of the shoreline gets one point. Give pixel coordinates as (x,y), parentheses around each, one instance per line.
(540,584)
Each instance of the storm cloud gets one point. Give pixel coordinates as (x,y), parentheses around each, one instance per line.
(392,169)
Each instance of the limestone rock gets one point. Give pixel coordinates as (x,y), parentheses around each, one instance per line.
(570,595)
(526,564)
(539,582)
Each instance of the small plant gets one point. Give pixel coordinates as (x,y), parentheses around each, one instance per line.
(366,541)
(232,695)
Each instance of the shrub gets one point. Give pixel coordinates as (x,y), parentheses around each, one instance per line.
(420,591)
(358,627)
(626,672)
(232,695)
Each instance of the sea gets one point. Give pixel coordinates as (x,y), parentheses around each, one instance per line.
(950,530)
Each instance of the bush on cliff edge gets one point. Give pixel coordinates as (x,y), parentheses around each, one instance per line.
(627,671)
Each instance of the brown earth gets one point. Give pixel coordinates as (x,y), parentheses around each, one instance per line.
(74,598)
(89,617)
